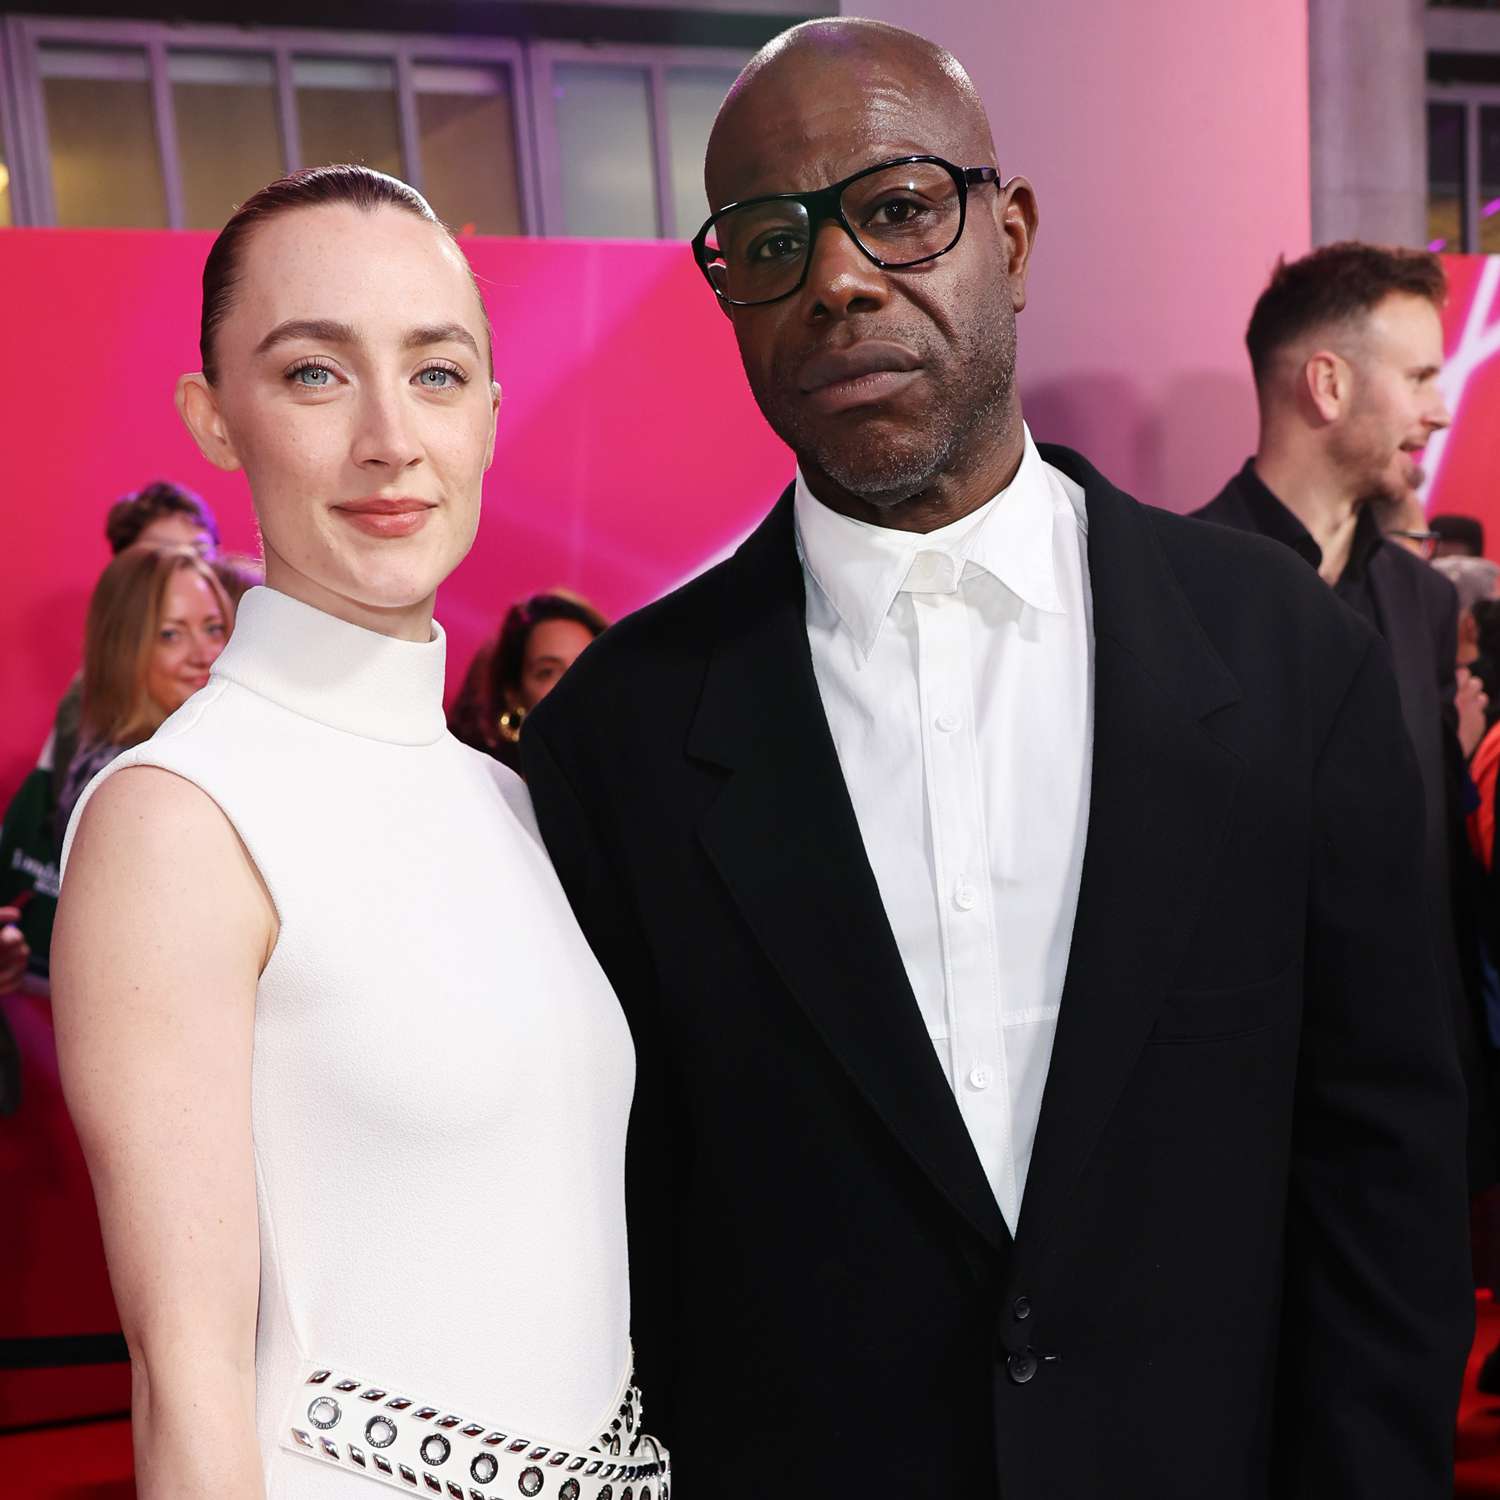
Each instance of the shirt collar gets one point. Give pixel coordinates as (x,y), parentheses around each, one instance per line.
(861,568)
(1276,520)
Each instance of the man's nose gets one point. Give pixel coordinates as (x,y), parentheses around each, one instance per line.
(841,278)
(1438,416)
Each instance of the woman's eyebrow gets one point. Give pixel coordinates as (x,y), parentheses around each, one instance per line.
(321,330)
(326,331)
(440,333)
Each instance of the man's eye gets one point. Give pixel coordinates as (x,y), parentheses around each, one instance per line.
(781,246)
(896,211)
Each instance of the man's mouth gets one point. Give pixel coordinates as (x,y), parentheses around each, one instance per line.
(865,373)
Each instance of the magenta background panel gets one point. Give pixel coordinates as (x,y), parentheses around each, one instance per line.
(629,452)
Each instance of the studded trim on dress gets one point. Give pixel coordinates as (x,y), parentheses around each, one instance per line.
(394,1439)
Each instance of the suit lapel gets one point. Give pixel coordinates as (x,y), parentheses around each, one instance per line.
(1162,787)
(783,836)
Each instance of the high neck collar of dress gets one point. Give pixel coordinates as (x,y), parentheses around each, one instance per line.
(338,674)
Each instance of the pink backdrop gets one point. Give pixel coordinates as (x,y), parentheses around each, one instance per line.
(1168,144)
(629,453)
(1463,464)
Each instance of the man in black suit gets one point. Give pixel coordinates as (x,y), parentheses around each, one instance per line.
(1346,345)
(1010,889)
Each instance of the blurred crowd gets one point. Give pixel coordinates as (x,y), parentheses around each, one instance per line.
(162,610)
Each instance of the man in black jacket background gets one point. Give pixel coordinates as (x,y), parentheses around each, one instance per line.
(1346,345)
(1239,1265)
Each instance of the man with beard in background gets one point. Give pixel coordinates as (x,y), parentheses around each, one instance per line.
(1346,345)
(1015,894)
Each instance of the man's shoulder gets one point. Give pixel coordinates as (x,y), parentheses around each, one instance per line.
(1437,593)
(1226,572)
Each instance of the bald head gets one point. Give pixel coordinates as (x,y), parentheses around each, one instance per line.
(833,91)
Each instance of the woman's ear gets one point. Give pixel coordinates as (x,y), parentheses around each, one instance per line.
(198,406)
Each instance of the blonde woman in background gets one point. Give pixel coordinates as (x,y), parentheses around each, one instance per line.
(158,619)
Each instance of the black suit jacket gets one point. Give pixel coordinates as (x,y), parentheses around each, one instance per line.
(1418,614)
(1241,1267)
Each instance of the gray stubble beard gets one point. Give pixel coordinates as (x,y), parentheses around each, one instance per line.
(887,475)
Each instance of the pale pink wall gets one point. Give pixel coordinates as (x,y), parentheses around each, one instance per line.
(1168,143)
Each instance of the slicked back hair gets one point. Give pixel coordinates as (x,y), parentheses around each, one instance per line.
(360,187)
(1337,284)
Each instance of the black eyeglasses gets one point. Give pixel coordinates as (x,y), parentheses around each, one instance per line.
(900,213)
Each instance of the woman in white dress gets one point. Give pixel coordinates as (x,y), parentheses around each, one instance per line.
(351,1086)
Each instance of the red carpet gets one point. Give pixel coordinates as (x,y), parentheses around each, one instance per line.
(87,1461)
(1478,1471)
(91,1461)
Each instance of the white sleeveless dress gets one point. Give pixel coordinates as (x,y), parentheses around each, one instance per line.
(442,1075)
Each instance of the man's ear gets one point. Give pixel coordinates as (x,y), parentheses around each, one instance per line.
(1328,379)
(1016,216)
(198,406)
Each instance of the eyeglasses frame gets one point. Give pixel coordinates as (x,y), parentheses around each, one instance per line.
(824,205)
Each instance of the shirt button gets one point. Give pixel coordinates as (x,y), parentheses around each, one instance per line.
(1022,1308)
(1021,1367)
(980,1076)
(965,897)
(947,722)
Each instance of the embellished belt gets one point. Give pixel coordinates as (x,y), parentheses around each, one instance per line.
(393,1438)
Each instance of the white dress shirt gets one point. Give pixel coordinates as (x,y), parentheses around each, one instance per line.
(956,670)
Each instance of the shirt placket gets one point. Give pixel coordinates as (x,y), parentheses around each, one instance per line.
(964,895)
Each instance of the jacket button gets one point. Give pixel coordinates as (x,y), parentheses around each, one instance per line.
(1021,1367)
(1021,1307)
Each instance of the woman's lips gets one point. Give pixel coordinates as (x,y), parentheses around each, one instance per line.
(386,518)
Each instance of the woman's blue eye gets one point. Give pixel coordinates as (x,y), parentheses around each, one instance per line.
(314,377)
(439,377)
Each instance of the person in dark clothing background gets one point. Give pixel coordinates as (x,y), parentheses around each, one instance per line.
(1457,536)
(1346,345)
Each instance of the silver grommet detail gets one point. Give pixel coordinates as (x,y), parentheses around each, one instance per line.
(380,1432)
(606,1492)
(407,1475)
(324,1413)
(484,1468)
(530,1482)
(435,1449)
(456,1490)
(569,1491)
(433,1483)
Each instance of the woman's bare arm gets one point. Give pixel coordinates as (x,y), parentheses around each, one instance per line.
(163,928)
